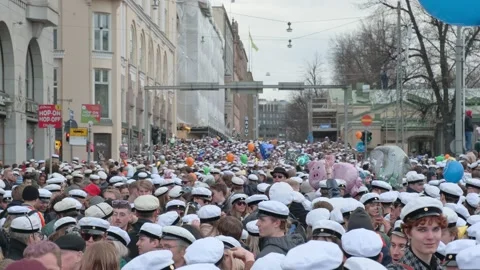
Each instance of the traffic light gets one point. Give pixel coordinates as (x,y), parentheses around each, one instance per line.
(369,136)
(67,136)
(366,135)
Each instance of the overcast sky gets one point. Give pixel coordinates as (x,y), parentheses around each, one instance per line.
(331,17)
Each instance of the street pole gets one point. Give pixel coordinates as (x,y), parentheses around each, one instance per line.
(345,112)
(90,123)
(146,125)
(71,146)
(50,154)
(310,119)
(399,68)
(458,93)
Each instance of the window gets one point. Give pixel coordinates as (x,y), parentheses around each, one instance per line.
(102,91)
(55,85)
(29,76)
(151,72)
(133,45)
(101,32)
(55,38)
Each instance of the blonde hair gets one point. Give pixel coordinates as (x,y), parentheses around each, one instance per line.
(252,243)
(100,256)
(145,184)
(294,184)
(209,229)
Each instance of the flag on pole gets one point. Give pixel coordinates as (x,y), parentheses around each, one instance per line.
(251,42)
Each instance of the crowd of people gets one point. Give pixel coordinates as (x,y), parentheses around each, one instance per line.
(212,204)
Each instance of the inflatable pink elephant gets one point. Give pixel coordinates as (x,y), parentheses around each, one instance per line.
(349,173)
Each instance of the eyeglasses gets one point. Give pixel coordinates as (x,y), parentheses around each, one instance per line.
(95,237)
(277,176)
(240,203)
(120,203)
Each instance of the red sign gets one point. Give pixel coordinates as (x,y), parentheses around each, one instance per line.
(367,120)
(49,115)
(91,112)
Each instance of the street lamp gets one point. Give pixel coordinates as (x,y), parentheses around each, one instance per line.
(289,43)
(289,29)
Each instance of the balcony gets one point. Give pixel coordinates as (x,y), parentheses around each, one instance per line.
(43,11)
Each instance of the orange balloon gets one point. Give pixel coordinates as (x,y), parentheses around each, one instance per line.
(190,161)
(275,142)
(251,147)
(230,157)
(358,134)
(447,156)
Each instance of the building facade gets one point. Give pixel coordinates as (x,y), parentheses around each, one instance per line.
(200,60)
(26,77)
(105,53)
(272,119)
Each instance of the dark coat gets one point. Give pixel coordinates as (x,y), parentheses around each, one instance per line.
(275,244)
(15,251)
(133,233)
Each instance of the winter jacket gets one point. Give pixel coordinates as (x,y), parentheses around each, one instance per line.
(132,246)
(15,251)
(468,124)
(275,244)
(411,261)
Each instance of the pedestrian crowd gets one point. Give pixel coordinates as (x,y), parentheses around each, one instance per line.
(213,204)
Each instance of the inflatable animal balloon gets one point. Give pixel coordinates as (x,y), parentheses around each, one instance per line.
(350,174)
(390,163)
(316,173)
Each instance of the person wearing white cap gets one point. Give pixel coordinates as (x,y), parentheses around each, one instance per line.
(468,258)
(450,192)
(177,240)
(120,240)
(359,263)
(239,206)
(423,224)
(149,237)
(237,185)
(272,225)
(327,230)
(24,231)
(271,261)
(387,199)
(209,216)
(209,250)
(451,232)
(398,242)
(254,200)
(453,248)
(306,256)
(146,210)
(472,202)
(379,187)
(362,243)
(472,185)
(93,229)
(201,196)
(157,259)
(415,182)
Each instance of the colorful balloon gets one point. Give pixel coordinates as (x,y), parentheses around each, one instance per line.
(358,135)
(447,156)
(189,161)
(206,170)
(230,157)
(251,147)
(453,171)
(244,158)
(439,158)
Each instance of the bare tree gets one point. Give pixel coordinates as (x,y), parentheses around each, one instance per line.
(296,119)
(431,56)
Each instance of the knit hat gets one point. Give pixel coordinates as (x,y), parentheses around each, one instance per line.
(30,193)
(359,219)
(92,190)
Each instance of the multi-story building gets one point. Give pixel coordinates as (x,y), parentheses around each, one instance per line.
(236,70)
(200,60)
(106,52)
(26,76)
(271,123)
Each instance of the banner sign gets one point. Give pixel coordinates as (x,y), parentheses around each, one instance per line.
(91,112)
(49,115)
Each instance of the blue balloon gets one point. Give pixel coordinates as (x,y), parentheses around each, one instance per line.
(455,12)
(266,150)
(453,171)
(360,147)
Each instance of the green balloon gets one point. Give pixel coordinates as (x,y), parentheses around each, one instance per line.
(244,159)
(440,158)
(206,170)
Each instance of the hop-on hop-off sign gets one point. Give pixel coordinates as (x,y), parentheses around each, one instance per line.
(91,112)
(367,120)
(49,115)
